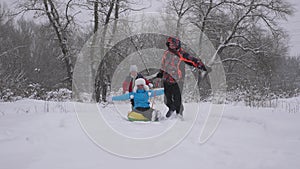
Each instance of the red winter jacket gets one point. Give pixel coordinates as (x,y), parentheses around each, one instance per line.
(172,68)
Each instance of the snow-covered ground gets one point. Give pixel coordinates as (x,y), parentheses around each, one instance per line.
(41,135)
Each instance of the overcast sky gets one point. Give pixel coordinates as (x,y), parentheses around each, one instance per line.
(293,28)
(292,25)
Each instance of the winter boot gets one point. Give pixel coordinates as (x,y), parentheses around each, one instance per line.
(169,113)
(179,112)
(156,115)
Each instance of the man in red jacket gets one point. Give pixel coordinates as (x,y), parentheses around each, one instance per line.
(172,72)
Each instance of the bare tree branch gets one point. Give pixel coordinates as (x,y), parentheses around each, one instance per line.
(10,50)
(240,61)
(67,15)
(246,49)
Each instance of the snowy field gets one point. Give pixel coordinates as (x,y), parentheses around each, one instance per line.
(47,135)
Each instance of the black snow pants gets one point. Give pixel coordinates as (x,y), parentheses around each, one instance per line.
(173,96)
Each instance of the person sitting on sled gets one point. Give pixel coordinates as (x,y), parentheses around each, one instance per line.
(128,83)
(141,94)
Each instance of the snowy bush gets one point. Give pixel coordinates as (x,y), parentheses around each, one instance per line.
(7,95)
(35,91)
(62,94)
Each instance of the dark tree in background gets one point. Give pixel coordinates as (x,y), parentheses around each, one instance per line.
(31,55)
(40,51)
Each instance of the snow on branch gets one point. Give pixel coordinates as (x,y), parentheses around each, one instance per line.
(246,49)
(10,50)
(240,61)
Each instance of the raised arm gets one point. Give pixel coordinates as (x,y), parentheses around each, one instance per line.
(122,97)
(192,61)
(157,92)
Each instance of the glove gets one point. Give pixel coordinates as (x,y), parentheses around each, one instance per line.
(150,85)
(205,68)
(160,74)
(202,67)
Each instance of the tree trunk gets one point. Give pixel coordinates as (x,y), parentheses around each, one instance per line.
(54,19)
(96,16)
(103,79)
